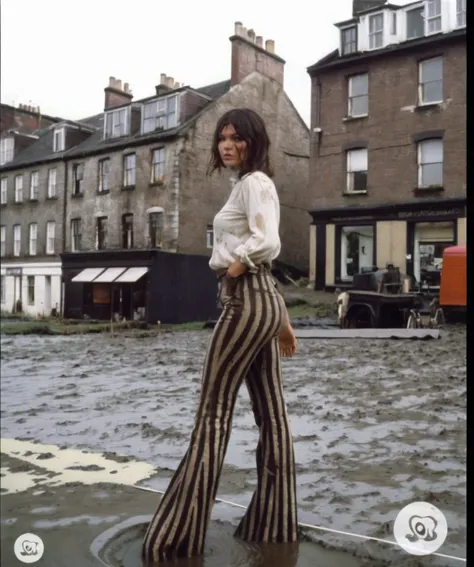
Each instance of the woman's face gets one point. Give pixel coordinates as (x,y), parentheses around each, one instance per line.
(232,148)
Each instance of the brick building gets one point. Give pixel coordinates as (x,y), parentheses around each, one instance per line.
(133,178)
(388,141)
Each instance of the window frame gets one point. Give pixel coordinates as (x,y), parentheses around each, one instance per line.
(4,190)
(438,17)
(59,134)
(52,188)
(34,187)
(422,102)
(378,32)
(7,154)
(127,231)
(460,13)
(351,97)
(344,44)
(18,190)
(101,233)
(31,289)
(160,164)
(159,114)
(103,176)
(126,170)
(50,240)
(420,165)
(76,235)
(419,9)
(350,178)
(111,115)
(33,239)
(156,225)
(17,240)
(3,241)
(78,182)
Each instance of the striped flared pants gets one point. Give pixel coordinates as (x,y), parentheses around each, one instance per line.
(244,346)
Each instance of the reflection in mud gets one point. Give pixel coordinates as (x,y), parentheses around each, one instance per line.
(376,424)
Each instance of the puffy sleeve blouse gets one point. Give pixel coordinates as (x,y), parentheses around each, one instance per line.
(246,228)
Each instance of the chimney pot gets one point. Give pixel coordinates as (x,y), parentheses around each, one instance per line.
(238,28)
(270,46)
(251,35)
(111,81)
(163,79)
(118,84)
(170,82)
(259,41)
(126,87)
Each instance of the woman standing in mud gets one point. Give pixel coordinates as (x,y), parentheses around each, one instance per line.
(248,339)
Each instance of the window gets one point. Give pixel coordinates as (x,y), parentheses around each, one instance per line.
(160,114)
(129,170)
(50,236)
(59,138)
(349,40)
(76,235)
(3,240)
(4,190)
(127,231)
(359,95)
(19,189)
(2,288)
(415,23)
(430,241)
(430,163)
(117,123)
(31,289)
(101,233)
(158,166)
(357,171)
(376,31)
(34,183)
(52,187)
(357,250)
(433,17)
(460,13)
(33,239)
(430,88)
(210,236)
(156,221)
(7,150)
(104,165)
(16,240)
(78,179)
(393,29)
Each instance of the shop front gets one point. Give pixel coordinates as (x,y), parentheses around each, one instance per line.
(412,236)
(138,285)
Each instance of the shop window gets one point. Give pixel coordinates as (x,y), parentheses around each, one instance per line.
(431,238)
(357,250)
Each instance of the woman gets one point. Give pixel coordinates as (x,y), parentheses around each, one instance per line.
(245,345)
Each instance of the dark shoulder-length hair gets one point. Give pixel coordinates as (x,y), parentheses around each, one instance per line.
(250,127)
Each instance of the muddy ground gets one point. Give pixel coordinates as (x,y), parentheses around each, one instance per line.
(376,425)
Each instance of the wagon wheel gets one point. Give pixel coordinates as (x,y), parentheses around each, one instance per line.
(439,317)
(414,321)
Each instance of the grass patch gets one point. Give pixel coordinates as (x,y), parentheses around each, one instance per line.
(55,327)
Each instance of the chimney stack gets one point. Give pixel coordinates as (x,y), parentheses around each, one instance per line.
(249,55)
(361,5)
(115,95)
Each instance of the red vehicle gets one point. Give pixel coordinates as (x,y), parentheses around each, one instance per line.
(453,290)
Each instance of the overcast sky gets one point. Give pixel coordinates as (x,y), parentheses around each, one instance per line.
(59,54)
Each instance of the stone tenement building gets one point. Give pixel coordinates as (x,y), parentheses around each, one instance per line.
(133,178)
(388,141)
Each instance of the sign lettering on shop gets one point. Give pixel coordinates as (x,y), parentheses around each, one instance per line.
(454,212)
(431,213)
(14,271)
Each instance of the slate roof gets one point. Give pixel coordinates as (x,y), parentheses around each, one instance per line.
(42,150)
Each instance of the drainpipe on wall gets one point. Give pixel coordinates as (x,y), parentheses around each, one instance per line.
(174,196)
(318,129)
(61,291)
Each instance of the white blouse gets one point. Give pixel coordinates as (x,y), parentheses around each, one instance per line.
(246,228)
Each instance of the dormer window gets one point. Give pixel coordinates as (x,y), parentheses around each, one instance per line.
(460,13)
(160,114)
(415,23)
(433,16)
(7,152)
(117,123)
(376,31)
(59,140)
(349,40)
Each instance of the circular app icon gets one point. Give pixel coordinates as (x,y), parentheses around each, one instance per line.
(28,548)
(420,528)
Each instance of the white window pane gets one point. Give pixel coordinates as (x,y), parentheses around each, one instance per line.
(434,8)
(434,25)
(357,160)
(431,151)
(359,106)
(376,23)
(432,174)
(432,70)
(415,23)
(359,85)
(432,92)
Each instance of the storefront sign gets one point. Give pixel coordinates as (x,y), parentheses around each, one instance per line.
(14,271)
(432,213)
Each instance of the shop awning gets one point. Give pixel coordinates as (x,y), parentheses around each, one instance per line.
(132,275)
(109,275)
(87,275)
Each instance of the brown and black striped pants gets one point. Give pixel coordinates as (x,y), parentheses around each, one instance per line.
(244,346)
